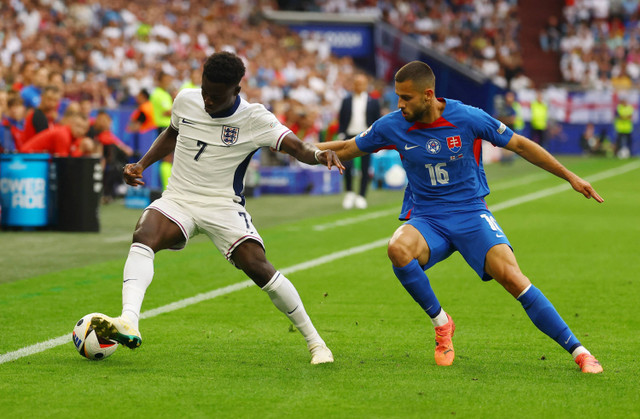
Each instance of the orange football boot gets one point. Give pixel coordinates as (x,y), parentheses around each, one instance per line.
(588,363)
(444,347)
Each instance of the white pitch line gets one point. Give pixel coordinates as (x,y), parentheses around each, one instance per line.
(246,284)
(357,219)
(525,180)
(61,340)
(563,187)
(120,238)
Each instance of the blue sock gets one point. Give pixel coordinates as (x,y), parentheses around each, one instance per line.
(415,281)
(546,318)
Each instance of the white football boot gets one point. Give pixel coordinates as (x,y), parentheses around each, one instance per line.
(118,329)
(320,354)
(349,200)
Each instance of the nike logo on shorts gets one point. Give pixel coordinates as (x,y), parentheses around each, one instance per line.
(406,147)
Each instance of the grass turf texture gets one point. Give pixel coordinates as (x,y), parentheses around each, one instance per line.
(234,356)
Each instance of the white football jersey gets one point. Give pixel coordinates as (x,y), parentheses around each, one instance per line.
(212,154)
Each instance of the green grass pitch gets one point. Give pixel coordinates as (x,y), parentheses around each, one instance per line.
(235,355)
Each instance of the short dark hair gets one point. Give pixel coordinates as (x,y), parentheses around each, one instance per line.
(15,101)
(418,72)
(50,88)
(144,92)
(224,67)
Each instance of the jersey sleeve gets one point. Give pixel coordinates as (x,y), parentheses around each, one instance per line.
(489,128)
(371,139)
(175,109)
(267,130)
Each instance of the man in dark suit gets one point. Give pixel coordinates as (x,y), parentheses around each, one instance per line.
(357,113)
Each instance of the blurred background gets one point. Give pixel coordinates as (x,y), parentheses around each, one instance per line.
(85,86)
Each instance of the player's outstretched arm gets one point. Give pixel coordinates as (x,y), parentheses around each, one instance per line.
(161,147)
(309,154)
(537,155)
(345,149)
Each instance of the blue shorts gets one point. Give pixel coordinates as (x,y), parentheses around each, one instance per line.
(472,232)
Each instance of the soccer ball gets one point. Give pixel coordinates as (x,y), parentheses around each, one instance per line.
(88,343)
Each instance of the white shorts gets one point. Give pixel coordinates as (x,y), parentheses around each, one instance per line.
(226,223)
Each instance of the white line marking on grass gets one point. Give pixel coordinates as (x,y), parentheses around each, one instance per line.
(525,180)
(34,349)
(357,219)
(61,340)
(120,238)
(563,187)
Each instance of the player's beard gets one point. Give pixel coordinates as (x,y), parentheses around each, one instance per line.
(416,115)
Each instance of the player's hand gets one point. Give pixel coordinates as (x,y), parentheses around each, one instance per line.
(132,174)
(329,158)
(585,188)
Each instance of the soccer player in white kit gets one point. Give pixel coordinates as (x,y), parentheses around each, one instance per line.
(213,134)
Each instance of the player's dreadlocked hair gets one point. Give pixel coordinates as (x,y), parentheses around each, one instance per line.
(418,72)
(224,67)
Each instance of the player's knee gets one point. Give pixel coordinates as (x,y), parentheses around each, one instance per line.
(399,253)
(260,273)
(142,235)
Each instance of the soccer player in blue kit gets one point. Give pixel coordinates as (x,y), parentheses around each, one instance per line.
(440,142)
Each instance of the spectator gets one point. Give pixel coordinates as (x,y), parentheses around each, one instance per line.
(56,79)
(539,119)
(67,140)
(45,116)
(194,80)
(551,35)
(12,124)
(161,101)
(142,119)
(590,142)
(115,152)
(100,130)
(623,126)
(358,111)
(32,93)
(510,113)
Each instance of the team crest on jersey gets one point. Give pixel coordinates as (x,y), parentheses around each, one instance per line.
(454,143)
(433,146)
(230,134)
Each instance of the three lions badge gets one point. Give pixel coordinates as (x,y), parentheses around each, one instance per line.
(230,134)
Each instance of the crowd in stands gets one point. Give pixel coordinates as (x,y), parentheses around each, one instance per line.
(103,53)
(60,58)
(481,34)
(599,43)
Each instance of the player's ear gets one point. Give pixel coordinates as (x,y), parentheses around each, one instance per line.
(429,93)
(237,90)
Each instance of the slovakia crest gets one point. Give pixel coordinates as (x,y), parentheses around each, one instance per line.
(229,134)
(454,143)
(433,146)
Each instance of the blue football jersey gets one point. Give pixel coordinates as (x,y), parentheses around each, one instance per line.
(443,159)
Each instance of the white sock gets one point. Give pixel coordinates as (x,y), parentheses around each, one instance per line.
(440,320)
(285,297)
(138,273)
(579,350)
